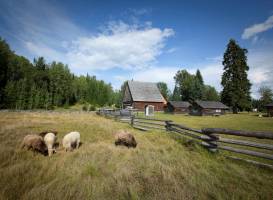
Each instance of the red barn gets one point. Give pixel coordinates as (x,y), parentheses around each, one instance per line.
(141,94)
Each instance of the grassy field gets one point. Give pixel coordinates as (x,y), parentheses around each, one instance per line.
(242,121)
(161,167)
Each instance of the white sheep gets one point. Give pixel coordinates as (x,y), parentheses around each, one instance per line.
(50,140)
(71,141)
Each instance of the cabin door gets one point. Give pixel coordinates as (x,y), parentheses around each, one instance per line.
(149,110)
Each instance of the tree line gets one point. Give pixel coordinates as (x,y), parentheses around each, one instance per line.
(41,85)
(235,83)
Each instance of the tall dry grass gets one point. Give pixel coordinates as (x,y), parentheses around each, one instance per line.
(163,166)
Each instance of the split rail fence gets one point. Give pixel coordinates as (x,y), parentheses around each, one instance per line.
(210,138)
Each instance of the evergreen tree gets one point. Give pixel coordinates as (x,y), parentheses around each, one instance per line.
(236,86)
(210,94)
(176,94)
(199,77)
(163,88)
(24,85)
(266,96)
(4,62)
(199,85)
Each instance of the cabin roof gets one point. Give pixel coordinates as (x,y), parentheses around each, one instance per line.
(269,105)
(211,104)
(179,104)
(145,91)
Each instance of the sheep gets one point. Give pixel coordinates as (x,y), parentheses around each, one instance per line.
(50,140)
(43,133)
(35,143)
(125,138)
(71,141)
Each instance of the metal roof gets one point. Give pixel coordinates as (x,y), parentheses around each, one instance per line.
(211,104)
(145,91)
(180,104)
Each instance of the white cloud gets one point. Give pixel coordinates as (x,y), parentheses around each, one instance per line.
(41,50)
(261,69)
(142,11)
(258,28)
(171,50)
(46,31)
(120,46)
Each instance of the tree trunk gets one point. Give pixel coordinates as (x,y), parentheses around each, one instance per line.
(235,110)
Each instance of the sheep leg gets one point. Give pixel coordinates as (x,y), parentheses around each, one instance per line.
(78,144)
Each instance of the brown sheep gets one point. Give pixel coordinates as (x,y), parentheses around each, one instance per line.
(34,143)
(125,138)
(43,133)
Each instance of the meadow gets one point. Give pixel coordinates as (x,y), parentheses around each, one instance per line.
(160,167)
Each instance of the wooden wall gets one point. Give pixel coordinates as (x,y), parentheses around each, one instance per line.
(206,111)
(170,109)
(270,111)
(158,106)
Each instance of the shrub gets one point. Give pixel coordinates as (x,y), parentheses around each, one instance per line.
(85,107)
(66,106)
(92,108)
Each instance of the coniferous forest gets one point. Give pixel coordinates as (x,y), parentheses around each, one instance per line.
(42,85)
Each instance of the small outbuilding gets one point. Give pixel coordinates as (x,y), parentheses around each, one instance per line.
(208,108)
(179,107)
(269,108)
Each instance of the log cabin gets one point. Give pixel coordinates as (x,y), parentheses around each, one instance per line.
(208,108)
(178,107)
(269,108)
(139,95)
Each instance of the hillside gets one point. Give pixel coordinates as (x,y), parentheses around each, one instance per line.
(162,166)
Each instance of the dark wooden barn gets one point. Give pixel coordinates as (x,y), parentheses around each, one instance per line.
(141,94)
(208,108)
(269,108)
(178,107)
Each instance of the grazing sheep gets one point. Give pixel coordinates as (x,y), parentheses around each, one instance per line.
(50,140)
(43,133)
(35,143)
(71,141)
(125,138)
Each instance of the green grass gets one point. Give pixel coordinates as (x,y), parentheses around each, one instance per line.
(242,121)
(163,166)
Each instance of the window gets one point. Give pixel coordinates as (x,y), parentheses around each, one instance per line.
(218,110)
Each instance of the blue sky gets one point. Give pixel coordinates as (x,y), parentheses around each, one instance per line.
(142,40)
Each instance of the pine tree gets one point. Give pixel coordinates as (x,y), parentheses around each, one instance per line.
(163,88)
(4,62)
(176,94)
(199,85)
(210,94)
(236,86)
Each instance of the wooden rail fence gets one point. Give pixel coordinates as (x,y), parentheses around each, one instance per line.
(210,138)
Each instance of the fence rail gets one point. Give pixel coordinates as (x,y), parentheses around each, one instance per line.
(210,138)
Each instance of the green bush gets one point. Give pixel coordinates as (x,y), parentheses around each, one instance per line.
(66,106)
(92,108)
(85,107)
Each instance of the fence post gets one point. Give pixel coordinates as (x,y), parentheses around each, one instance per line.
(211,143)
(167,125)
(132,120)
